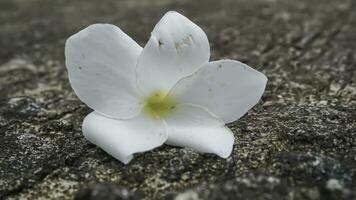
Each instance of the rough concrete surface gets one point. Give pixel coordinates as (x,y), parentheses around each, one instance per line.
(297,143)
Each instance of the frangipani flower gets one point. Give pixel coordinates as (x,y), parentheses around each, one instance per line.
(167,92)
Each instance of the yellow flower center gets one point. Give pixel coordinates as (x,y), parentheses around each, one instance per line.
(158,104)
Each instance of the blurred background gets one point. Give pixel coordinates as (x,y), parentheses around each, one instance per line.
(297,143)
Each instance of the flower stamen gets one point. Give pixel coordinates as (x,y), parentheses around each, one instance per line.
(158,104)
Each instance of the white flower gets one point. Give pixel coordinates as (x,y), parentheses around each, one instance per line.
(167,92)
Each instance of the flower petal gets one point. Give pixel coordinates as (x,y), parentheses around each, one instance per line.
(123,138)
(101,61)
(227,88)
(194,127)
(177,48)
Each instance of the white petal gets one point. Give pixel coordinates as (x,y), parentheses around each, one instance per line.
(123,138)
(177,48)
(194,127)
(101,62)
(227,88)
